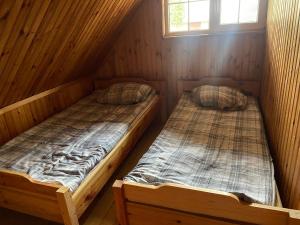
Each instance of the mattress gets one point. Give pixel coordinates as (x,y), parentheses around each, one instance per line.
(220,150)
(67,146)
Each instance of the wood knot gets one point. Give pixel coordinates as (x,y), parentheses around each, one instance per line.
(4,16)
(22,32)
(90,197)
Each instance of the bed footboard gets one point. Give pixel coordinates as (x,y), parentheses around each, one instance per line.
(48,201)
(175,204)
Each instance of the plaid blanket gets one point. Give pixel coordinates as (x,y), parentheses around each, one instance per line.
(67,146)
(221,150)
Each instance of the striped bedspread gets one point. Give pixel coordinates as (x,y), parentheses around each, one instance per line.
(67,146)
(225,151)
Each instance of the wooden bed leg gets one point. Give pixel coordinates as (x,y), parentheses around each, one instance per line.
(120,202)
(67,207)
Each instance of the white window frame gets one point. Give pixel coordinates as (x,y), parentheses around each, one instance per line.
(215,25)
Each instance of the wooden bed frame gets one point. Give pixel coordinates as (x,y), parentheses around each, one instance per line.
(53,201)
(171,204)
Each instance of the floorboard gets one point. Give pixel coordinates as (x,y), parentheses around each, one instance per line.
(101,212)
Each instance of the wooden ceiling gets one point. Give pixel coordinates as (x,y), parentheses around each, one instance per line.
(45,43)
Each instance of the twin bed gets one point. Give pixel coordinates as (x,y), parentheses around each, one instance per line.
(55,169)
(212,149)
(206,167)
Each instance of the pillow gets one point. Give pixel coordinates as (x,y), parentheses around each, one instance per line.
(125,94)
(219,97)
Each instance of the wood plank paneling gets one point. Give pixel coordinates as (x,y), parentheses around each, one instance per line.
(280,95)
(45,43)
(21,116)
(142,51)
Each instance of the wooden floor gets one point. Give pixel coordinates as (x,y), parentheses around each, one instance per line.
(101,212)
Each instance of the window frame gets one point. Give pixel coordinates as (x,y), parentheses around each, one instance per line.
(215,26)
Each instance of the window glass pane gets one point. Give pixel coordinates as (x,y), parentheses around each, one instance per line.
(230,11)
(199,15)
(249,11)
(178,17)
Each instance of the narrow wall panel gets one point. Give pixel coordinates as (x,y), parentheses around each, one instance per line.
(142,51)
(280,95)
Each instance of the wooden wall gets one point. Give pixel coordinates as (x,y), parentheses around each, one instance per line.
(142,51)
(23,115)
(45,43)
(280,95)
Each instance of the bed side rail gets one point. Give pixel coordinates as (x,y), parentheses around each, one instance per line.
(48,201)
(173,204)
(98,177)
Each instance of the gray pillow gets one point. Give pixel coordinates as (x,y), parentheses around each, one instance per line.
(125,94)
(219,97)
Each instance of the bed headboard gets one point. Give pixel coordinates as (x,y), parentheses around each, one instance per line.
(159,85)
(248,87)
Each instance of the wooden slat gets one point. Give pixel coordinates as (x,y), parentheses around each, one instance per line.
(44,44)
(280,95)
(41,47)
(10,11)
(23,43)
(111,26)
(141,214)
(219,205)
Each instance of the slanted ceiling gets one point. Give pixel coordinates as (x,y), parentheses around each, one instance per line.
(45,43)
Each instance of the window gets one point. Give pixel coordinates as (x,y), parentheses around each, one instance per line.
(187,17)
(239,11)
